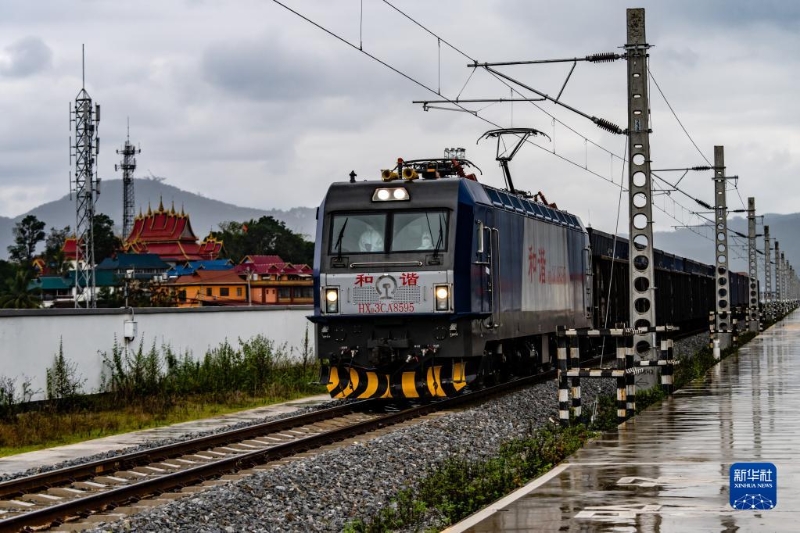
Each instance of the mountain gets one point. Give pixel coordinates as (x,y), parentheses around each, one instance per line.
(698,243)
(205,214)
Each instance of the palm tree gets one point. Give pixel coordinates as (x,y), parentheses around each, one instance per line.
(17,295)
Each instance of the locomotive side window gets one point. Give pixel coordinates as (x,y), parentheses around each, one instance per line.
(358,233)
(419,230)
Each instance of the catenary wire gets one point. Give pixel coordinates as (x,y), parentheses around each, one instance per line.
(655,82)
(454,102)
(473,60)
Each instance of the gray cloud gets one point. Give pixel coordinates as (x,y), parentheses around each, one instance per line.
(25,57)
(263,71)
(249,104)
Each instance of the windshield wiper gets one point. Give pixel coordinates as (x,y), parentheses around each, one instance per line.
(338,244)
(440,240)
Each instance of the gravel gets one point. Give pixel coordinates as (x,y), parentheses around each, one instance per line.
(326,491)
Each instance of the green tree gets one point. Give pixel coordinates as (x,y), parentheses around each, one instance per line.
(105,242)
(17,295)
(7,272)
(265,236)
(28,232)
(54,257)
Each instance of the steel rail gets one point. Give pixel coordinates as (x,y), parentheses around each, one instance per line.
(81,507)
(108,499)
(54,478)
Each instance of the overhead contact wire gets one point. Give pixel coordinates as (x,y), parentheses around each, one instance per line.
(655,82)
(473,60)
(429,89)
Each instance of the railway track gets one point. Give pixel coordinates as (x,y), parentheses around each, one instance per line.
(75,493)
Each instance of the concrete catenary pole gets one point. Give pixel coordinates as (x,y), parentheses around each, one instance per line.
(767,275)
(640,192)
(723,319)
(752,270)
(784,294)
(778,295)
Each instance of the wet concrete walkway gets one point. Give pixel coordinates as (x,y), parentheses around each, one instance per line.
(51,456)
(667,470)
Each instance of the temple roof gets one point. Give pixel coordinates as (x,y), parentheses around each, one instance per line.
(161,226)
(179,251)
(169,235)
(69,249)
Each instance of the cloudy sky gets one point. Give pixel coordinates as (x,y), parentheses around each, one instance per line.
(245,102)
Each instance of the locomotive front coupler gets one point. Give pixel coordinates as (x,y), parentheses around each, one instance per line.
(425,352)
(382,355)
(345,353)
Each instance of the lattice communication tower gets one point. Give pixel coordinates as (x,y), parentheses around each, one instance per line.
(86,187)
(128,165)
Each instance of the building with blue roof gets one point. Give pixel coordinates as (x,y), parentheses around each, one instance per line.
(190,267)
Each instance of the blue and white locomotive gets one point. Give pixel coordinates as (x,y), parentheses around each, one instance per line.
(428,282)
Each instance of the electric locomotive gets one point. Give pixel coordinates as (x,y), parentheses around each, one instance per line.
(429,282)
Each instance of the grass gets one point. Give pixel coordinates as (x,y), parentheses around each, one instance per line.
(459,487)
(36,430)
(148,388)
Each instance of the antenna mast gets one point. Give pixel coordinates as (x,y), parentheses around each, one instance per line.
(128,165)
(86,187)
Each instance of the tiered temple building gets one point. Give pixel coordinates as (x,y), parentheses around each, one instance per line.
(169,235)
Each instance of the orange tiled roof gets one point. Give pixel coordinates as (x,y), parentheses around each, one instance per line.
(262,259)
(272,268)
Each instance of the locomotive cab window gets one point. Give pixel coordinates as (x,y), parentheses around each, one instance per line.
(362,233)
(395,231)
(419,230)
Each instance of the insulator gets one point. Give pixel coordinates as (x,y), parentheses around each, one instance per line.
(605,57)
(607,125)
(701,168)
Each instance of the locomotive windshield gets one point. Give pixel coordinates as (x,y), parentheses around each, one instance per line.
(396,231)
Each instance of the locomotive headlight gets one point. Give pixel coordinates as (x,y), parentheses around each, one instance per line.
(442,294)
(393,194)
(331,300)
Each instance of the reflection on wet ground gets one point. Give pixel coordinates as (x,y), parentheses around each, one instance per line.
(668,470)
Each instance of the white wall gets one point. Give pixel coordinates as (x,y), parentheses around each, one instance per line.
(30,338)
